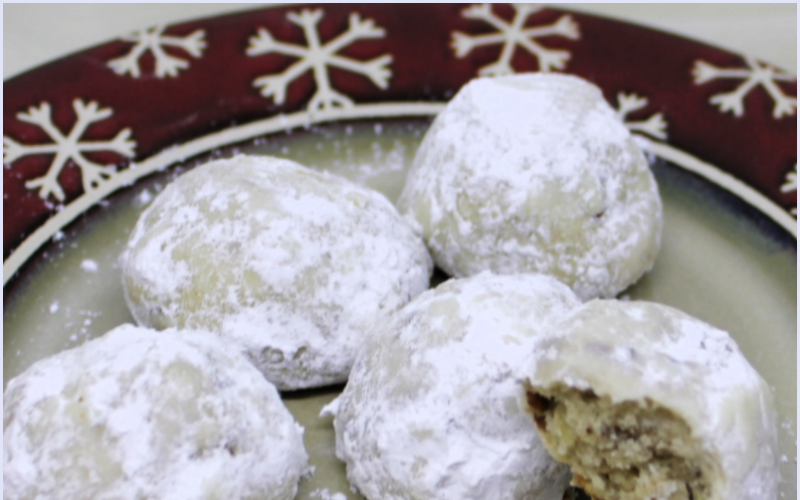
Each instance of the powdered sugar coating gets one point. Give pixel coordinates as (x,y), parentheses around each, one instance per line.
(432,408)
(630,351)
(292,265)
(143,414)
(535,173)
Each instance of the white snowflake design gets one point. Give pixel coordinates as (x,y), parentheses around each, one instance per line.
(68,147)
(756,74)
(316,56)
(513,34)
(791,185)
(655,126)
(156,41)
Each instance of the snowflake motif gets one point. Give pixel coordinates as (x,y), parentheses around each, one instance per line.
(317,56)
(754,75)
(655,126)
(513,34)
(791,185)
(155,41)
(68,147)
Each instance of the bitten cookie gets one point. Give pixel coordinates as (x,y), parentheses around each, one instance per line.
(535,173)
(433,408)
(644,401)
(292,265)
(142,414)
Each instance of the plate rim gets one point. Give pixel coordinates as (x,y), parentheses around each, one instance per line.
(275,121)
(304,119)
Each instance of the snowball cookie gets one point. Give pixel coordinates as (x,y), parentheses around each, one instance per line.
(292,265)
(434,409)
(535,173)
(139,414)
(644,401)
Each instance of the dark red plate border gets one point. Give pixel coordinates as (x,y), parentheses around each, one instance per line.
(683,80)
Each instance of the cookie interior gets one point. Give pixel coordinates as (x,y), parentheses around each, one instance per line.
(627,450)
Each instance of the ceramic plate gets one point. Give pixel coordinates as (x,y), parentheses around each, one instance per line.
(90,139)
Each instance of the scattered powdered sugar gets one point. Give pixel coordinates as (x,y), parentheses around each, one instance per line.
(294,266)
(144,197)
(143,414)
(535,173)
(636,351)
(788,426)
(432,408)
(89,266)
(325,494)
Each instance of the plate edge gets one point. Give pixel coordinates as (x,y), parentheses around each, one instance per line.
(232,135)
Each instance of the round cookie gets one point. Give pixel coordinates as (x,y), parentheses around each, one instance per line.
(142,414)
(292,265)
(433,408)
(535,173)
(644,401)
